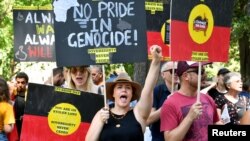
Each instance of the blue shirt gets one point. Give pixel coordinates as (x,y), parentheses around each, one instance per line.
(161,93)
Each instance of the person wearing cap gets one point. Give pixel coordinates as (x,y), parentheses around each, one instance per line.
(183,116)
(236,105)
(79,78)
(161,92)
(122,122)
(219,89)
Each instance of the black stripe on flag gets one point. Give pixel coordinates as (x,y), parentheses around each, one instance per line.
(222,10)
(42,98)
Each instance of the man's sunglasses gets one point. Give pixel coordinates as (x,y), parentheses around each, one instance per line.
(170,71)
(197,71)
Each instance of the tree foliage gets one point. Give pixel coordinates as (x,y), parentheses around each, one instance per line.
(6,39)
(7,64)
(240,36)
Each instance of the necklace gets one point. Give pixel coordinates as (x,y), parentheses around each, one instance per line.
(117,117)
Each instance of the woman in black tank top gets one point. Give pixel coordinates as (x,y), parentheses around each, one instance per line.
(122,122)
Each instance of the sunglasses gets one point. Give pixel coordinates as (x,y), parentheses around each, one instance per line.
(170,71)
(80,69)
(197,71)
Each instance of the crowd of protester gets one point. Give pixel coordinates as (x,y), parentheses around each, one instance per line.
(174,107)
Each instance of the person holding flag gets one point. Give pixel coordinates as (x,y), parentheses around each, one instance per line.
(122,122)
(185,115)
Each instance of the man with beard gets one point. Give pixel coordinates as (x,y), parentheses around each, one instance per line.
(22,80)
(183,116)
(57,78)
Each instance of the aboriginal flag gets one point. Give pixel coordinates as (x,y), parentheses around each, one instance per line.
(200,30)
(158,29)
(58,114)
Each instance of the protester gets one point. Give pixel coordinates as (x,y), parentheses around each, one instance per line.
(65,74)
(183,116)
(161,93)
(57,78)
(111,78)
(122,122)
(22,80)
(246,89)
(13,135)
(12,90)
(219,89)
(236,105)
(79,78)
(7,119)
(97,77)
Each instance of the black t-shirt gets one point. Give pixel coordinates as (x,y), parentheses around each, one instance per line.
(214,93)
(121,128)
(19,106)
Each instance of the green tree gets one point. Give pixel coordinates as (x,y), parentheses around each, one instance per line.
(6,38)
(240,36)
(7,64)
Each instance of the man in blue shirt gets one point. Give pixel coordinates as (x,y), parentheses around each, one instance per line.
(161,92)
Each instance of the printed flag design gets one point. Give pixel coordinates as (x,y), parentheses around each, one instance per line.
(158,25)
(200,30)
(55,113)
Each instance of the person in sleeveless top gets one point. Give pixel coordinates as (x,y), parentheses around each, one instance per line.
(122,122)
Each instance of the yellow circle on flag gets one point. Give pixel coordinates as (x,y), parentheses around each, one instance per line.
(165,32)
(200,23)
(64,119)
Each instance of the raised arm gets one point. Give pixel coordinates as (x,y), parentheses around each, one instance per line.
(144,105)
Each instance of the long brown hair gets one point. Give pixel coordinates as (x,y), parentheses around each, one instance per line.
(4,91)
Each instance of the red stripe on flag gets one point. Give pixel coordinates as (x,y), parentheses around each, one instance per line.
(36,128)
(154,38)
(182,45)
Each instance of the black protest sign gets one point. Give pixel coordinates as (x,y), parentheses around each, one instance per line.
(34,38)
(158,25)
(99,32)
(56,113)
